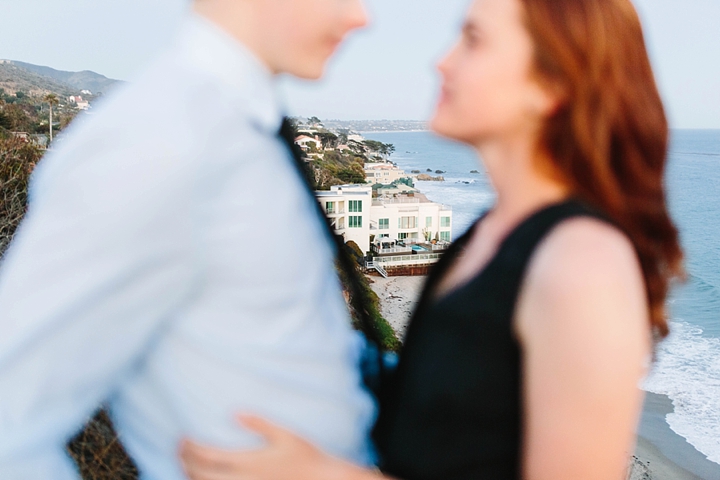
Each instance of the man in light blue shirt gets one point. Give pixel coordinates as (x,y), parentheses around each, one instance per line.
(172,264)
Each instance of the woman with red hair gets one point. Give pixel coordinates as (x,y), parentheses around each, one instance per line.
(524,355)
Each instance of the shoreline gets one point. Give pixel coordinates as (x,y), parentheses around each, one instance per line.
(669,454)
(660,453)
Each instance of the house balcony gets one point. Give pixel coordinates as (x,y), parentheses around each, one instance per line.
(334,224)
(390,250)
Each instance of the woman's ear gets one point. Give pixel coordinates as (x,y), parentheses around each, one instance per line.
(547,97)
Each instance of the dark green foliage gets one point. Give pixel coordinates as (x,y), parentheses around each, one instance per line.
(5,121)
(381,148)
(30,114)
(18,116)
(337,169)
(384,331)
(17,159)
(352,174)
(329,139)
(355,251)
(405,181)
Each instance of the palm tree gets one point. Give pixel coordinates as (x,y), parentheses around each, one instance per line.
(52,100)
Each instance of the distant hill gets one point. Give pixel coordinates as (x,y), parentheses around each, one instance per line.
(21,76)
(85,80)
(14,78)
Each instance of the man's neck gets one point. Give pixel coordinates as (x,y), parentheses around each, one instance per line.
(237,19)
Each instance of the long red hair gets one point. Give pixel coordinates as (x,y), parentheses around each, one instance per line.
(608,139)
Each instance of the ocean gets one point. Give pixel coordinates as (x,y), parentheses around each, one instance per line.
(688,361)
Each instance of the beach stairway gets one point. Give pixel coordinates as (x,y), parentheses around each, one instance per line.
(381,270)
(378,268)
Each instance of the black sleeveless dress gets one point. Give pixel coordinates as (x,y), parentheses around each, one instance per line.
(453,408)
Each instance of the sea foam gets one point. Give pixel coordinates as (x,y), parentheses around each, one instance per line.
(687,370)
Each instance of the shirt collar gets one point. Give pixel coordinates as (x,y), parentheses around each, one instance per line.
(215,52)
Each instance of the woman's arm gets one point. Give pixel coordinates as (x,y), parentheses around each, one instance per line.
(583,322)
(284,457)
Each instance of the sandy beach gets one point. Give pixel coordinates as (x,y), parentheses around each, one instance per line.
(666,454)
(398,296)
(660,454)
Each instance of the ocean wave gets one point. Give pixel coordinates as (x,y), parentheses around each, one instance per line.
(688,371)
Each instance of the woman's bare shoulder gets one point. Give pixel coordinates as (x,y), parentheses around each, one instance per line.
(584,251)
(584,278)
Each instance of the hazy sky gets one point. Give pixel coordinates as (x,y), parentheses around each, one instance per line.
(386,71)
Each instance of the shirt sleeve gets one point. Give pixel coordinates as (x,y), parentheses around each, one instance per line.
(105,255)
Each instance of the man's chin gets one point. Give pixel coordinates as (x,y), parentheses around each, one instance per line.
(442,128)
(452,132)
(307,72)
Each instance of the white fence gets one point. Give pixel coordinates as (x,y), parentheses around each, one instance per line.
(403,260)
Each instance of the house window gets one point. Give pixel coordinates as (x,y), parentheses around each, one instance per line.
(428,222)
(384,224)
(444,221)
(330,207)
(355,206)
(402,236)
(407,222)
(445,236)
(355,221)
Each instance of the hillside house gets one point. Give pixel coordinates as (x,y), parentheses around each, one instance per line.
(305,142)
(78,102)
(383,173)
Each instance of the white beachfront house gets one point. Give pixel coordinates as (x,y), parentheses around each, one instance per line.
(383,173)
(389,224)
(348,208)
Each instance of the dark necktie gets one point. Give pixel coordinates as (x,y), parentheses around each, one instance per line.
(358,295)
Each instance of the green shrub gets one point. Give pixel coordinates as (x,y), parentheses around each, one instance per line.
(17,160)
(385,334)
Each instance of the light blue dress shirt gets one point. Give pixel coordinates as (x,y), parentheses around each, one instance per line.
(172,265)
